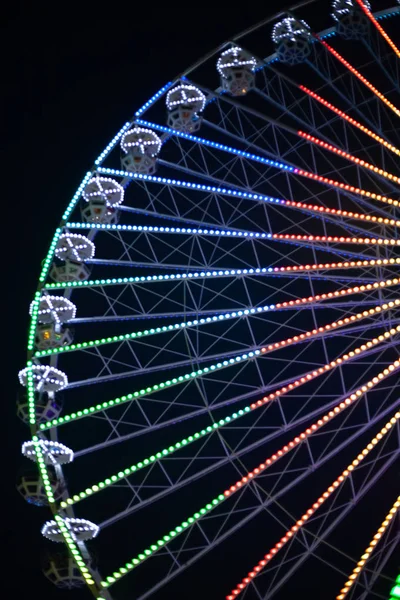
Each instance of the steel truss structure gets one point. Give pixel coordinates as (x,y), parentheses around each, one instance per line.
(230,391)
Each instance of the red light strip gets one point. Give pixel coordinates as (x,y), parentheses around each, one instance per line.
(335,238)
(320,370)
(329,327)
(338,293)
(340,265)
(347,187)
(358,161)
(379,27)
(330,490)
(365,81)
(342,213)
(350,120)
(368,551)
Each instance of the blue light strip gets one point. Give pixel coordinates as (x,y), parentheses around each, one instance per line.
(153,99)
(76,196)
(254,272)
(193,186)
(111,145)
(179,230)
(229,149)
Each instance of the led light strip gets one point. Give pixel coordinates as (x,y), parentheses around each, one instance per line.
(368,551)
(348,188)
(111,145)
(239,194)
(49,257)
(363,79)
(46,481)
(149,390)
(379,27)
(195,275)
(350,157)
(199,373)
(74,550)
(350,120)
(244,480)
(295,528)
(215,319)
(247,409)
(240,234)
(179,230)
(232,232)
(153,99)
(77,196)
(336,239)
(395,591)
(273,163)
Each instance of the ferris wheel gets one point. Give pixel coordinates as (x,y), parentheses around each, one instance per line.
(213,351)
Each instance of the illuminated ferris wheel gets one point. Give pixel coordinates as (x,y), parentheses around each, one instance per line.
(214,343)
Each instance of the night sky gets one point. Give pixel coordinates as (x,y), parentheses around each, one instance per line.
(77,72)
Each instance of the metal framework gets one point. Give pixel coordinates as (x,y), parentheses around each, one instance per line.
(236,321)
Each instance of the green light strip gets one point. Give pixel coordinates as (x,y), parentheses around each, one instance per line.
(74,550)
(395,591)
(148,332)
(49,257)
(33,323)
(76,196)
(147,461)
(161,542)
(149,390)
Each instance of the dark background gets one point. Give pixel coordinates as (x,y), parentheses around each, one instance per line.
(74,73)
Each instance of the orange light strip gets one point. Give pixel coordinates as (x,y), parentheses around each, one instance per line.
(350,157)
(350,120)
(379,27)
(342,213)
(331,489)
(340,265)
(339,293)
(335,238)
(363,79)
(347,187)
(336,325)
(328,367)
(367,553)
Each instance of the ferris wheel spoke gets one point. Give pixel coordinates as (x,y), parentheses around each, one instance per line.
(194,277)
(328,64)
(272,490)
(146,367)
(273,386)
(372,572)
(319,147)
(328,105)
(361,78)
(337,484)
(191,522)
(334,325)
(377,25)
(246,162)
(306,543)
(241,239)
(265,402)
(367,553)
(237,113)
(175,186)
